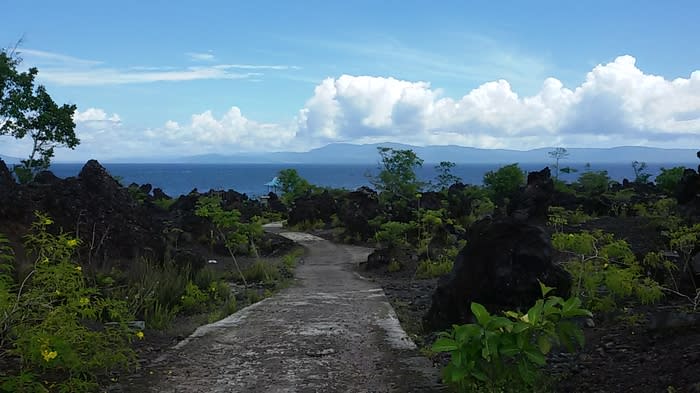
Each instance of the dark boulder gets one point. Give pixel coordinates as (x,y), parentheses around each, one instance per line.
(159,194)
(532,202)
(431,200)
(499,268)
(6,179)
(145,188)
(312,208)
(46,177)
(356,209)
(275,204)
(688,187)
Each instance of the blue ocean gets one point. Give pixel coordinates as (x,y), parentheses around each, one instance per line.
(177,179)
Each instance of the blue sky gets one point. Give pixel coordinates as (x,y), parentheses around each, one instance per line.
(164,78)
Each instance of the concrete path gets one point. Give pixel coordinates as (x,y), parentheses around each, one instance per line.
(332,331)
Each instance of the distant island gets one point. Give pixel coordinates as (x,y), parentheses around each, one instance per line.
(346,153)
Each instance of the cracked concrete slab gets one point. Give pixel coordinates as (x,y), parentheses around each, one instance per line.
(330,332)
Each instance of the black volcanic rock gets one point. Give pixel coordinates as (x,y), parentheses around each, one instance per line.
(159,194)
(356,209)
(532,202)
(6,179)
(312,208)
(499,267)
(46,177)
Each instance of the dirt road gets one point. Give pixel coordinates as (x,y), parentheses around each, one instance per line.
(331,331)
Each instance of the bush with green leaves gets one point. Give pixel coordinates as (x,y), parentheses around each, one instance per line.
(668,179)
(445,178)
(292,185)
(64,332)
(394,235)
(507,353)
(229,228)
(593,183)
(605,270)
(640,172)
(503,183)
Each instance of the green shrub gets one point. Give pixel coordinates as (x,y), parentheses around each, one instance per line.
(159,316)
(52,317)
(430,269)
(261,271)
(507,353)
(594,183)
(668,179)
(394,266)
(394,234)
(504,182)
(194,300)
(164,203)
(604,270)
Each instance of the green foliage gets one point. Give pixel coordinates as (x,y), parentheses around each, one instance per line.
(394,266)
(557,218)
(164,203)
(137,194)
(445,178)
(640,172)
(193,300)
(159,316)
(397,181)
(507,353)
(308,225)
(234,233)
(504,182)
(605,270)
(662,213)
(594,183)
(685,240)
(263,272)
(52,316)
(394,234)
(620,201)
(292,185)
(437,268)
(668,179)
(27,110)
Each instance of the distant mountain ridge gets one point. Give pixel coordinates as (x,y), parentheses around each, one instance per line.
(345,153)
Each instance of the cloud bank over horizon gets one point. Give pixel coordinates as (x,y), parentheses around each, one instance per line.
(616,104)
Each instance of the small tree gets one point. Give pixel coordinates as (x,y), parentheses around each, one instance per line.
(397,177)
(292,185)
(640,174)
(445,178)
(29,110)
(668,179)
(504,182)
(558,154)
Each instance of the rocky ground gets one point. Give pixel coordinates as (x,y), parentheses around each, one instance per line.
(650,349)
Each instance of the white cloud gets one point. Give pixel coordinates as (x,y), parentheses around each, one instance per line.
(95,115)
(617,102)
(201,56)
(72,71)
(230,133)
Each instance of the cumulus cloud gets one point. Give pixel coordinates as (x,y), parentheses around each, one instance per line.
(230,133)
(616,102)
